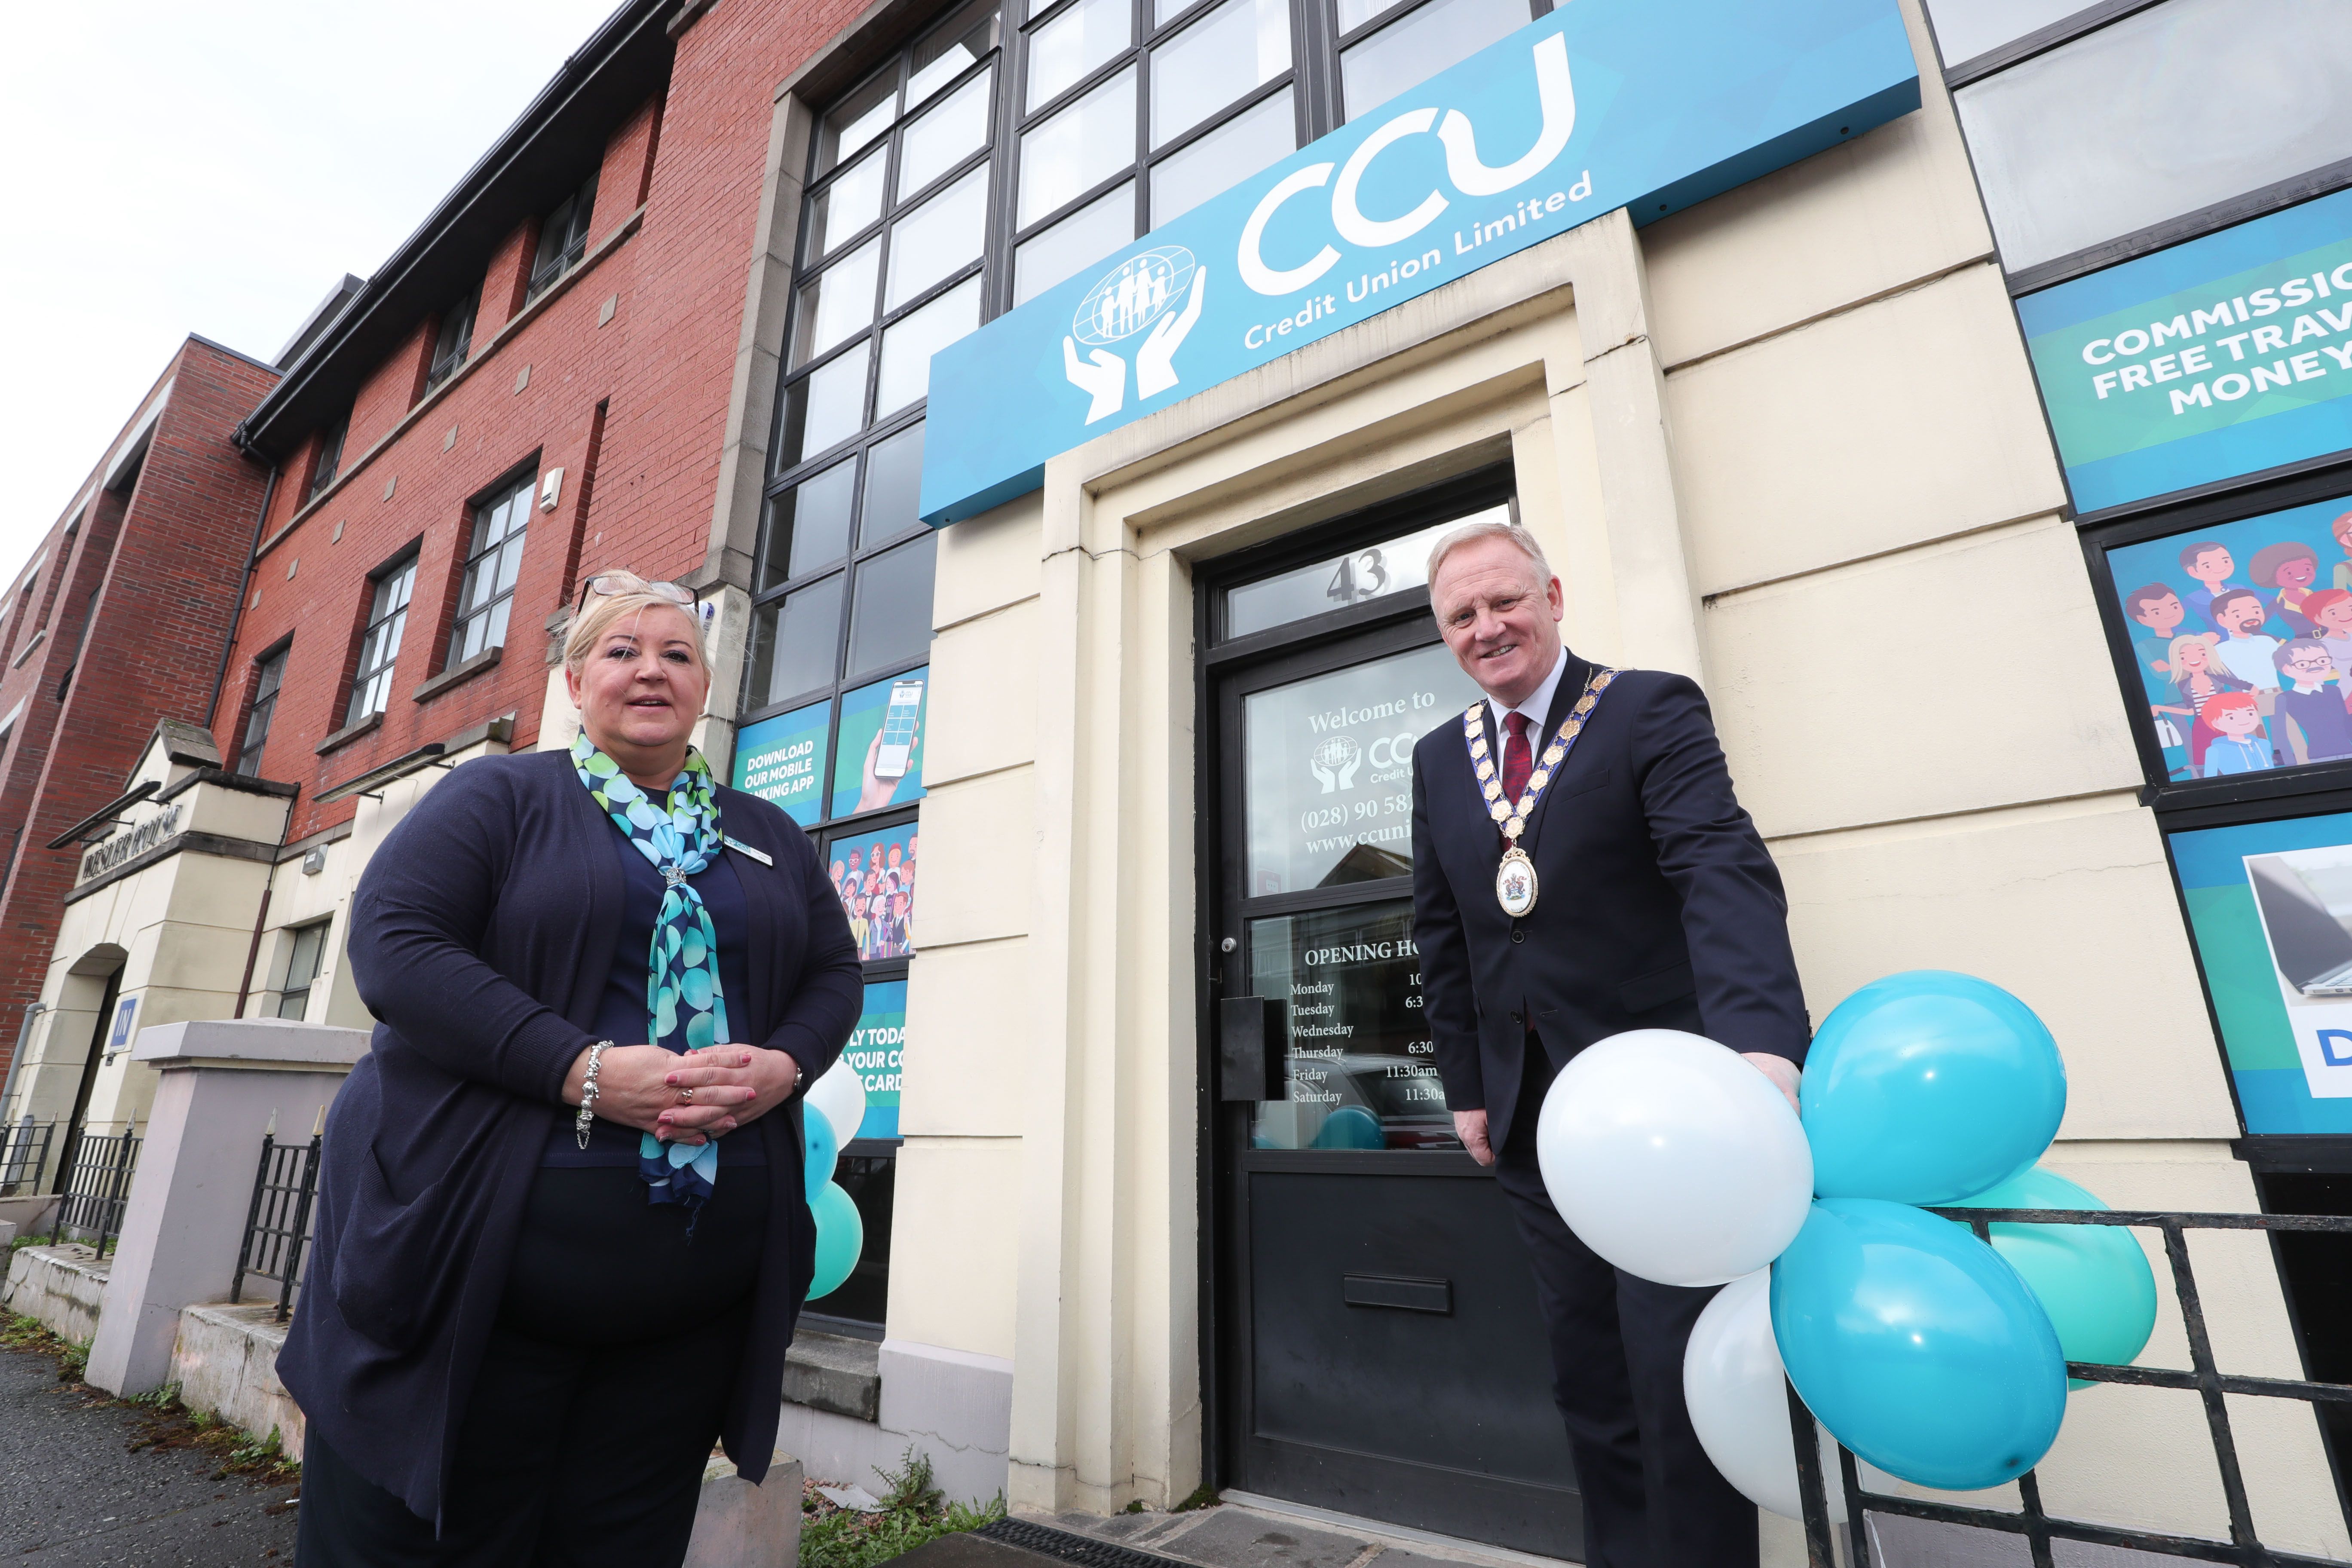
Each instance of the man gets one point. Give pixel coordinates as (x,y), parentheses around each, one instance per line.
(2209,562)
(2311,696)
(1655,905)
(2246,648)
(2159,609)
(2239,746)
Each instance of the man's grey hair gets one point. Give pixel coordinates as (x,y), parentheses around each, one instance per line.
(1472,533)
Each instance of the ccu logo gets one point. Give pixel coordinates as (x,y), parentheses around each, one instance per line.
(1142,291)
(1334,762)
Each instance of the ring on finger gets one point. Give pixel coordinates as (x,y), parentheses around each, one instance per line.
(685,1096)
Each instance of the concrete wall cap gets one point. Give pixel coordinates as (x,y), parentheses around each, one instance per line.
(273,1040)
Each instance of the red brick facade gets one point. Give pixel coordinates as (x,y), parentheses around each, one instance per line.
(117,623)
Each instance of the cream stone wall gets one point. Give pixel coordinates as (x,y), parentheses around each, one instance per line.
(1786,441)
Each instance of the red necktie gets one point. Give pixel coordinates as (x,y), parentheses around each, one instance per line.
(1519,760)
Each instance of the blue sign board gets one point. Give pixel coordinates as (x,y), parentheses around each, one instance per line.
(1648,104)
(781,760)
(2219,356)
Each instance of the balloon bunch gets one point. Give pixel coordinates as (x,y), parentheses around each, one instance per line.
(1934,1357)
(834,1107)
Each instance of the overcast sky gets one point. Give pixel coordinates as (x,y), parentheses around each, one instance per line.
(214,169)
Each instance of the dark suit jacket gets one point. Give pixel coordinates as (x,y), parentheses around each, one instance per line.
(482,935)
(1658,906)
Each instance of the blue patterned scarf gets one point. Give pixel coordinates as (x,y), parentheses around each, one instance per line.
(684,1004)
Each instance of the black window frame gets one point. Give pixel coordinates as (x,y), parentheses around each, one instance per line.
(330,457)
(287,990)
(520,489)
(2227,214)
(363,674)
(268,681)
(453,341)
(562,239)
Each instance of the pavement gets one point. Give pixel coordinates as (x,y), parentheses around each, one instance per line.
(87,1481)
(1224,1535)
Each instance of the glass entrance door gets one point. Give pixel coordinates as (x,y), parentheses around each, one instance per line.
(1378,1348)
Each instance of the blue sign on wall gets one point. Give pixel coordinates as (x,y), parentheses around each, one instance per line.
(2223,355)
(1647,104)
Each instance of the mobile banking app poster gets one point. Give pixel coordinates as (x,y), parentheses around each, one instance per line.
(2270,909)
(867,773)
(781,760)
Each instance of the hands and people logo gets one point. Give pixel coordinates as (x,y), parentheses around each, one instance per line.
(1334,762)
(1140,293)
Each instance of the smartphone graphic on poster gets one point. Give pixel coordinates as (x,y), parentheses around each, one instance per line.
(898,730)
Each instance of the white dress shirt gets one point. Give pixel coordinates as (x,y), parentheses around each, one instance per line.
(1536,707)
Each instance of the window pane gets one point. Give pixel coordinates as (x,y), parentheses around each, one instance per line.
(1354,13)
(1375,572)
(908,347)
(1166,11)
(891,622)
(1080,147)
(1079,240)
(937,238)
(1065,50)
(859,118)
(1223,158)
(894,483)
(945,135)
(808,526)
(825,407)
(793,643)
(1241,45)
(954,49)
(845,206)
(2162,113)
(838,304)
(1967,28)
(1409,51)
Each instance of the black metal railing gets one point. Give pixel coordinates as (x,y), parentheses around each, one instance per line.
(2203,1377)
(97,1186)
(24,1156)
(277,1243)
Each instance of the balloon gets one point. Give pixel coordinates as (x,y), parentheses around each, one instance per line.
(1917,1345)
(840,1237)
(840,1093)
(1927,1086)
(1737,1392)
(1673,1159)
(820,1149)
(1351,1127)
(2093,1279)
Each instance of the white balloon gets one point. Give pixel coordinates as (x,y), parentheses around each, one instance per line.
(1738,1392)
(841,1095)
(1673,1159)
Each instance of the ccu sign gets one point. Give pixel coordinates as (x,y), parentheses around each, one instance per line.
(1647,104)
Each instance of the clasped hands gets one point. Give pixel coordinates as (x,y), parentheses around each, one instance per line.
(688,1099)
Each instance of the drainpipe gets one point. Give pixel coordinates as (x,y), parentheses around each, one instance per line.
(237,616)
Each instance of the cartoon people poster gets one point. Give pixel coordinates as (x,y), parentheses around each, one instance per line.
(873,872)
(2241,639)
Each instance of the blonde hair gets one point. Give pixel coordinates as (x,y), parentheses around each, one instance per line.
(1472,533)
(635,596)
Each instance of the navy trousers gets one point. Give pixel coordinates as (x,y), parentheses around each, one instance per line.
(1651,1498)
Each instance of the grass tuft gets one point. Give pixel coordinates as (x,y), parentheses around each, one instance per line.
(913,1513)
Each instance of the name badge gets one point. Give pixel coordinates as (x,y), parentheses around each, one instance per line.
(733,843)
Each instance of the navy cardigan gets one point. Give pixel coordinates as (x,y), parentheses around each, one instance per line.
(481,936)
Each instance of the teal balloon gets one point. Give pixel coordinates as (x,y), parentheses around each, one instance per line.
(1351,1127)
(1928,1087)
(840,1237)
(1917,1345)
(820,1149)
(2093,1279)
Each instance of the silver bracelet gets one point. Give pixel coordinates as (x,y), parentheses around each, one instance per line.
(587,1116)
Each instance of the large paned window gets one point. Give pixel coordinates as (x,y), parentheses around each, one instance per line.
(562,239)
(305,953)
(493,559)
(331,454)
(380,643)
(2104,130)
(454,340)
(268,677)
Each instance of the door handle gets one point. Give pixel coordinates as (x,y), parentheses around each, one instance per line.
(1250,1035)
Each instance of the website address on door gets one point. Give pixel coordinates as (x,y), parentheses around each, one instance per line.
(1397,834)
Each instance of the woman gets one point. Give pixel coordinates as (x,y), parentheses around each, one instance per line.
(2289,569)
(556,1259)
(2199,677)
